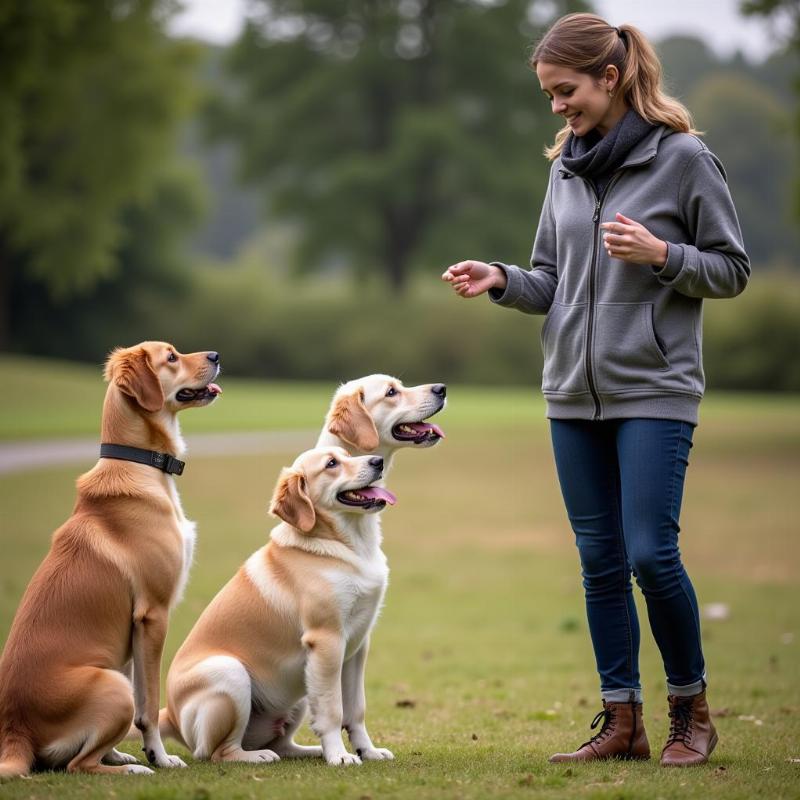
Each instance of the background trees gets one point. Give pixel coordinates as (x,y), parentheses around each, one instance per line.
(377,141)
(90,97)
(395,134)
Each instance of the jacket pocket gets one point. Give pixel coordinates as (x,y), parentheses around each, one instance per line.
(563,343)
(627,353)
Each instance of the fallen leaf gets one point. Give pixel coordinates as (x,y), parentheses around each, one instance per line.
(406,703)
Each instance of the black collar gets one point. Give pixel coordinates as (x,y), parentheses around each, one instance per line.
(163,461)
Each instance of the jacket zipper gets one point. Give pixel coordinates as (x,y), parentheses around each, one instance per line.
(598,409)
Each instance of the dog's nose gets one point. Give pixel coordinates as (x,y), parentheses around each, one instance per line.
(213,357)
(439,389)
(377,462)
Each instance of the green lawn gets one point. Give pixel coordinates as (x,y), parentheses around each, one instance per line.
(481,664)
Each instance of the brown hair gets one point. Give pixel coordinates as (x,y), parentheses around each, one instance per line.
(587,43)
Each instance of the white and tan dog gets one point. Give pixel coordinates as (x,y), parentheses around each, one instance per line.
(377,414)
(100,600)
(291,628)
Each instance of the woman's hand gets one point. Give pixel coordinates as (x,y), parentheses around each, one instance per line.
(471,278)
(629,241)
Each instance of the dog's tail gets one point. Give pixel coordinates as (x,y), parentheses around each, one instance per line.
(165,728)
(16,755)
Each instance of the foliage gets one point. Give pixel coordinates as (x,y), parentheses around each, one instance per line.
(89,102)
(786,14)
(747,126)
(395,134)
(269,326)
(151,270)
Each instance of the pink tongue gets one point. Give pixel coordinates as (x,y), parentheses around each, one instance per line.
(422,427)
(214,389)
(378,493)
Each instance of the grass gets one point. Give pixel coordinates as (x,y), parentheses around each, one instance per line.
(481,664)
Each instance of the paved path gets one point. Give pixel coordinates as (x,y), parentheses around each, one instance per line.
(22,456)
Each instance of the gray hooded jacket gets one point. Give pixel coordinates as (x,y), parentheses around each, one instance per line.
(625,340)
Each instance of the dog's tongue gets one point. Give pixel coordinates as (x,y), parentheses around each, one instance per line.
(424,427)
(378,493)
(214,388)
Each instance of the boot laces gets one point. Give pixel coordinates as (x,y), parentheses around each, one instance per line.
(606,716)
(681,723)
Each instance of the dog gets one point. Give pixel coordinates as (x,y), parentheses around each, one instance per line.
(377,414)
(99,602)
(291,629)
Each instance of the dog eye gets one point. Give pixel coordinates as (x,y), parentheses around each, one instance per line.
(391,392)
(331,464)
(172,358)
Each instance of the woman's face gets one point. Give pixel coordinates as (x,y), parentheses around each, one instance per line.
(581,99)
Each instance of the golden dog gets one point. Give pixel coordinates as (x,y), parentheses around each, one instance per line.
(100,600)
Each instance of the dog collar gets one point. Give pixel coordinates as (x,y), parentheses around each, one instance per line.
(163,461)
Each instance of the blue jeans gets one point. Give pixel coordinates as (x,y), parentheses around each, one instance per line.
(622,482)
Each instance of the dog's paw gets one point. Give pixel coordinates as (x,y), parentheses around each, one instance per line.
(137,769)
(169,762)
(262,756)
(343,760)
(375,754)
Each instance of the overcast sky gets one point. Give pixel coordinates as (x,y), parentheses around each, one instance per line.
(716,21)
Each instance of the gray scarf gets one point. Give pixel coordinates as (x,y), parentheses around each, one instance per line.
(596,157)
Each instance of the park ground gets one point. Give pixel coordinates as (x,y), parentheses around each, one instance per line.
(480,664)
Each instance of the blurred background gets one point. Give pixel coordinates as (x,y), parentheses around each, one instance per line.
(264,176)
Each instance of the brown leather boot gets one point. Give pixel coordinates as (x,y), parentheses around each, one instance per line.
(692,736)
(621,736)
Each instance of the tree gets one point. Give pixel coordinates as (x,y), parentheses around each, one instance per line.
(89,102)
(743,119)
(785,13)
(394,134)
(137,301)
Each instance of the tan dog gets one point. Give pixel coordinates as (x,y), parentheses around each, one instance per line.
(101,598)
(292,626)
(377,414)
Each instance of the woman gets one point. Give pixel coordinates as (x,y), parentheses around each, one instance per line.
(638,227)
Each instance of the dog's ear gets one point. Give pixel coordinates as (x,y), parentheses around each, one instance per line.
(291,502)
(130,370)
(351,422)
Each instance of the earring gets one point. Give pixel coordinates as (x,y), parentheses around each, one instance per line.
(610,95)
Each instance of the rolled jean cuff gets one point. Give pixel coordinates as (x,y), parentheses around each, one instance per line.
(621,695)
(689,690)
